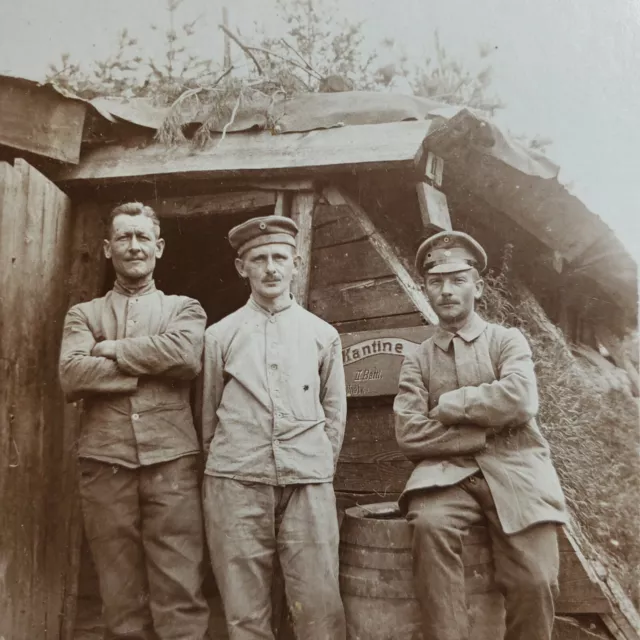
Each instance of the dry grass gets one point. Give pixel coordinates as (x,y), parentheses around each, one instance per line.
(593,432)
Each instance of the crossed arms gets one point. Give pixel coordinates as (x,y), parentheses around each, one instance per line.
(463,418)
(115,366)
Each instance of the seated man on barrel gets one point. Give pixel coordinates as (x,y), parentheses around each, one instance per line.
(465,414)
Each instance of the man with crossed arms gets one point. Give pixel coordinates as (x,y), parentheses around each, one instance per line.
(131,356)
(465,414)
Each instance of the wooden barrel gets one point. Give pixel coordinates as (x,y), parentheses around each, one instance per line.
(376,579)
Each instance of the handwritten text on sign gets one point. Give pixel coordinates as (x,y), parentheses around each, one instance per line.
(372,359)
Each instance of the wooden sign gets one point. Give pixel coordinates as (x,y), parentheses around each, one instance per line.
(433,207)
(372,359)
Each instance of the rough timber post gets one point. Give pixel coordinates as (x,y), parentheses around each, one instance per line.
(302,207)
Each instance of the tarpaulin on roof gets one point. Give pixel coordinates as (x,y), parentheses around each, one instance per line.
(304,112)
(517,181)
(523,186)
(313,111)
(514,179)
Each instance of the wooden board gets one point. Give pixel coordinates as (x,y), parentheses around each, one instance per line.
(37,462)
(384,322)
(433,207)
(370,460)
(334,225)
(39,120)
(397,144)
(381,477)
(365,299)
(219,203)
(347,262)
(580,591)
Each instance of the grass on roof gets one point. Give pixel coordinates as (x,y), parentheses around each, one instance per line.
(593,431)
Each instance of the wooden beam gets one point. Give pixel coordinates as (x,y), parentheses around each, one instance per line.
(335,197)
(281,207)
(433,208)
(37,119)
(389,145)
(302,207)
(623,620)
(282,185)
(216,204)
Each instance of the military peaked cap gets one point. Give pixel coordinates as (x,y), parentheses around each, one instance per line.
(260,231)
(450,251)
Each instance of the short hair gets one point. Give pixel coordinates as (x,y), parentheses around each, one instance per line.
(133,209)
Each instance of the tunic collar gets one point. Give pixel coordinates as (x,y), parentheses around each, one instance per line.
(256,307)
(130,292)
(471,330)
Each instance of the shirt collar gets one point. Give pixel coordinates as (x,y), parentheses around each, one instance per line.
(118,287)
(256,307)
(471,330)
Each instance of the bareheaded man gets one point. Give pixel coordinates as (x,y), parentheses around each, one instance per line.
(131,356)
(273,418)
(465,414)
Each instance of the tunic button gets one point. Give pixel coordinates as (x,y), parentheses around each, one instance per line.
(274,366)
(272,320)
(135,416)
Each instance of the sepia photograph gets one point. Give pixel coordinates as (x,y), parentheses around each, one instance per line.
(319,320)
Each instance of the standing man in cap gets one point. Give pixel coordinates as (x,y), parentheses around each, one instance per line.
(465,414)
(131,355)
(273,418)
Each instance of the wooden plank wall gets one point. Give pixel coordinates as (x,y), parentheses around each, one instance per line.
(355,289)
(352,287)
(37,461)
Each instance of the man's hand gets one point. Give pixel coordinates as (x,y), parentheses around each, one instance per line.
(105,349)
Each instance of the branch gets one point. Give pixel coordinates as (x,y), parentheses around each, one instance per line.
(306,62)
(221,77)
(243,47)
(236,106)
(310,71)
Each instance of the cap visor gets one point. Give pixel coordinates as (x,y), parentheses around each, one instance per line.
(450,267)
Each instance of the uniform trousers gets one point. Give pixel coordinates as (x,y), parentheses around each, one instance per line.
(145,533)
(526,563)
(247,524)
